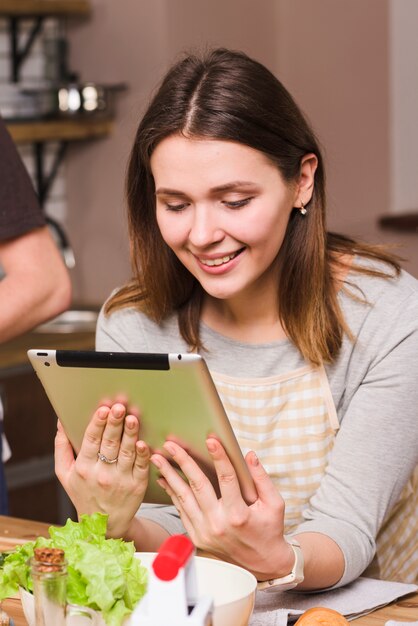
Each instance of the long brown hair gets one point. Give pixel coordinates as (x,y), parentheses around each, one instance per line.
(226,95)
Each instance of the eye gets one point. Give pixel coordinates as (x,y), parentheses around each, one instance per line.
(237,204)
(176,207)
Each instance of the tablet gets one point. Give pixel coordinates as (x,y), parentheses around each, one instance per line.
(175,394)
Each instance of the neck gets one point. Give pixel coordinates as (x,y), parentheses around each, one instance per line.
(245,318)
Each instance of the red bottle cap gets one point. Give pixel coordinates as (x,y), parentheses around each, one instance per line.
(172,555)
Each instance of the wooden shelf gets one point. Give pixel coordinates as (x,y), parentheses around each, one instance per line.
(405,222)
(30,8)
(63,131)
(59,130)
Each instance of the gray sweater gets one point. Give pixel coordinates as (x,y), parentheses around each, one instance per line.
(374,384)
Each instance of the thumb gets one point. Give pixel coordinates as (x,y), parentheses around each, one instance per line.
(64,453)
(267,492)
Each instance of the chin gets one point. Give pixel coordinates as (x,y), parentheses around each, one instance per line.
(222,294)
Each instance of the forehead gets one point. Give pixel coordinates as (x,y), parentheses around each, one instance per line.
(177,159)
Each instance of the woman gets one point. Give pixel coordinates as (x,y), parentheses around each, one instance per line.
(311,338)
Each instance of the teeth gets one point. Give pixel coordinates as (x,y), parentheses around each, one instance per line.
(220,261)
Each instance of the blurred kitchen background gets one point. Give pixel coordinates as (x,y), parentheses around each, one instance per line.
(352,65)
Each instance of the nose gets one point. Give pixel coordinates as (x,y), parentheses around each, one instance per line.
(205,228)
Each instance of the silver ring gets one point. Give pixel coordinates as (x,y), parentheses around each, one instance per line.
(104,458)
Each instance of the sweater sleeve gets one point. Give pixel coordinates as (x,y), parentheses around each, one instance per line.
(19,208)
(376,449)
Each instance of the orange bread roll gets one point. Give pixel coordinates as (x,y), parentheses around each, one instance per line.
(321,616)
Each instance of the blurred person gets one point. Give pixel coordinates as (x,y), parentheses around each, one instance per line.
(311,339)
(35,285)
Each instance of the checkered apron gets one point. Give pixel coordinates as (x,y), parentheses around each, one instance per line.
(290,421)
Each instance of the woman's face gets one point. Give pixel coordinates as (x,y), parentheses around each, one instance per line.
(223,208)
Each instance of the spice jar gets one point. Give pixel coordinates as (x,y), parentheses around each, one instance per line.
(49,577)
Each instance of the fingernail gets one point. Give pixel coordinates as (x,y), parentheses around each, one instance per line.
(130,423)
(254,460)
(170,448)
(141,447)
(118,411)
(102,413)
(211,445)
(156,461)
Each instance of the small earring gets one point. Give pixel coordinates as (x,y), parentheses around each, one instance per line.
(302,209)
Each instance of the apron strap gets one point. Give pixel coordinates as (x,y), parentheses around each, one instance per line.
(329,401)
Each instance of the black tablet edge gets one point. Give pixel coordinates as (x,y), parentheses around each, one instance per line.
(112,360)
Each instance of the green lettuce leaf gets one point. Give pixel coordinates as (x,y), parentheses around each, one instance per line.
(103,574)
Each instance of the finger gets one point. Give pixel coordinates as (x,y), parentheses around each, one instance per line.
(113,431)
(106,402)
(183,515)
(182,492)
(142,460)
(121,398)
(64,453)
(200,485)
(132,409)
(227,477)
(127,450)
(267,492)
(93,435)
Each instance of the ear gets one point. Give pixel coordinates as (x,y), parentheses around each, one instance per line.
(306,182)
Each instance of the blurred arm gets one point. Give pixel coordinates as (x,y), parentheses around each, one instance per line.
(36,286)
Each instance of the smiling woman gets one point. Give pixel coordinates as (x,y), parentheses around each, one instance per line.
(311,339)
(227,219)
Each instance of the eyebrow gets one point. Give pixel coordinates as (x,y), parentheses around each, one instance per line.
(227,187)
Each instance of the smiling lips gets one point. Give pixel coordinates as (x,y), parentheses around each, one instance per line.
(220,260)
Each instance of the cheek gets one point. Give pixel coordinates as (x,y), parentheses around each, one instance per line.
(165,233)
(161,219)
(171,230)
(268,231)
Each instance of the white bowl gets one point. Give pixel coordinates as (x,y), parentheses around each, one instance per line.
(232,589)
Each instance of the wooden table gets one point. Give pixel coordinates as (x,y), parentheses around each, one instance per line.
(14,531)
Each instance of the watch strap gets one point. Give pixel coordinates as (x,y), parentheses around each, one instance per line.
(293,579)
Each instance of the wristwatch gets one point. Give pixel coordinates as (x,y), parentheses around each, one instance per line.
(291,580)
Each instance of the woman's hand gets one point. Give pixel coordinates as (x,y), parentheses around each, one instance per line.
(248,535)
(92,484)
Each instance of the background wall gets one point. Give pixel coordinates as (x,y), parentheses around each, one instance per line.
(337,57)
(333,55)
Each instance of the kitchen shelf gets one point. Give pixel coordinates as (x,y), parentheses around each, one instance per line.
(38,133)
(37,11)
(30,8)
(59,130)
(404,222)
